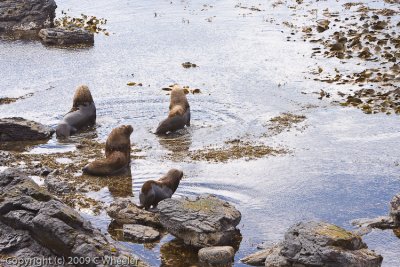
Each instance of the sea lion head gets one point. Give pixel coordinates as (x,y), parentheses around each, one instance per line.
(64,130)
(82,96)
(175,174)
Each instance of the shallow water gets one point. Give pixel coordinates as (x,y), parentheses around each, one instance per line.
(344,165)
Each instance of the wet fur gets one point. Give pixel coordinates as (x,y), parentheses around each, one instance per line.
(118,154)
(153,192)
(179,113)
(82,113)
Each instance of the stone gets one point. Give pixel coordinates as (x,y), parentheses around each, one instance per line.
(55,184)
(203,221)
(140,233)
(381,222)
(26,16)
(217,255)
(19,129)
(257,258)
(321,244)
(35,224)
(123,211)
(66,37)
(395,209)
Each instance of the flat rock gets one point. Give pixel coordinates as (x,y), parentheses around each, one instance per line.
(221,255)
(201,222)
(257,258)
(66,37)
(321,244)
(23,16)
(140,233)
(382,222)
(19,129)
(123,211)
(56,185)
(35,224)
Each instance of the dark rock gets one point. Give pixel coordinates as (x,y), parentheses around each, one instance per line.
(66,37)
(321,244)
(35,224)
(26,16)
(19,129)
(382,222)
(217,255)
(123,211)
(201,222)
(45,171)
(140,233)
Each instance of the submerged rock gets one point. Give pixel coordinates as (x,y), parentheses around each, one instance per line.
(123,211)
(201,222)
(140,233)
(26,16)
(35,224)
(19,129)
(317,244)
(217,255)
(66,37)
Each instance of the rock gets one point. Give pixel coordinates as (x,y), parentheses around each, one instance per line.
(217,255)
(201,222)
(57,185)
(321,244)
(256,259)
(123,211)
(26,16)
(382,222)
(45,171)
(19,129)
(140,233)
(66,37)
(35,224)
(395,209)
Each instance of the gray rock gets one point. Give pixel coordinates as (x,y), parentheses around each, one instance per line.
(66,37)
(123,211)
(34,224)
(140,233)
(57,185)
(26,16)
(201,222)
(257,258)
(395,209)
(19,129)
(217,255)
(382,222)
(321,244)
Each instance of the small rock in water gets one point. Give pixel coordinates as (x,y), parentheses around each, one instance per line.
(140,233)
(217,255)
(66,37)
(19,129)
(319,244)
(395,209)
(201,222)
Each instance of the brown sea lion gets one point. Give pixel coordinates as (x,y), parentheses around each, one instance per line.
(179,113)
(154,191)
(118,154)
(82,113)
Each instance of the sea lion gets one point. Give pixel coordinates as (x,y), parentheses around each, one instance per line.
(82,113)
(179,112)
(118,154)
(154,191)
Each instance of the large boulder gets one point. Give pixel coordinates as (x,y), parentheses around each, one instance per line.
(123,211)
(201,222)
(321,244)
(19,129)
(34,224)
(66,37)
(26,16)
(222,255)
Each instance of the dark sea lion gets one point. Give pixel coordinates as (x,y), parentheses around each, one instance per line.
(154,191)
(118,154)
(82,114)
(179,113)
